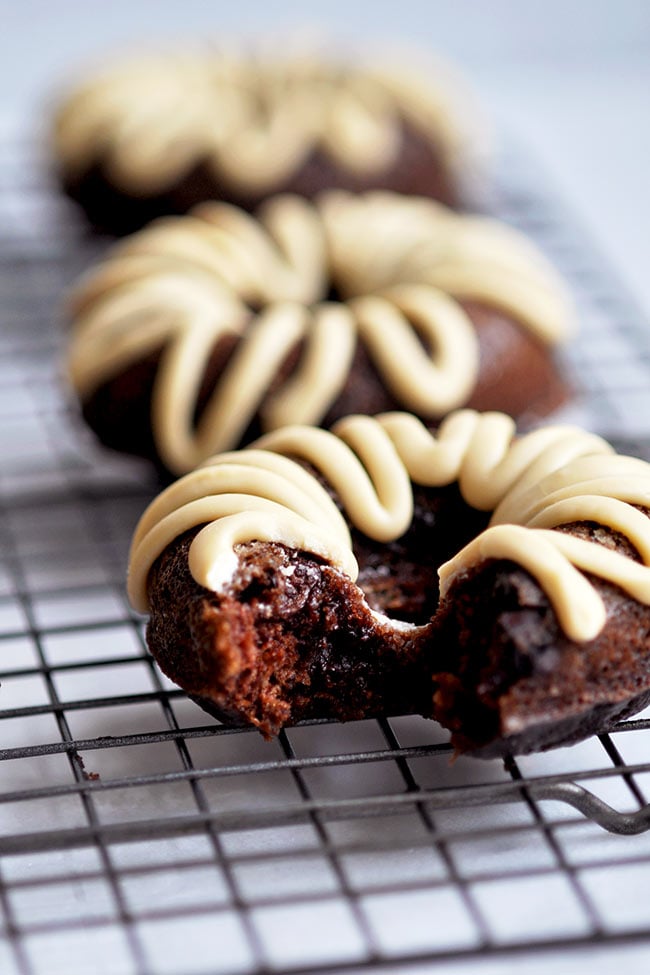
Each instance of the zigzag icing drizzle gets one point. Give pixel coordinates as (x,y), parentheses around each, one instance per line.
(254,121)
(532,485)
(400,265)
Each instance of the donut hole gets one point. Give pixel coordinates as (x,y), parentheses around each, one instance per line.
(400,578)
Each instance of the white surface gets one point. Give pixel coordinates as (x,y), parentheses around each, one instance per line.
(591,128)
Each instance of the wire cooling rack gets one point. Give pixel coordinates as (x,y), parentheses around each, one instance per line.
(138,836)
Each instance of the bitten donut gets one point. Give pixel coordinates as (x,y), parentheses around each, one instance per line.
(200,332)
(159,133)
(299,579)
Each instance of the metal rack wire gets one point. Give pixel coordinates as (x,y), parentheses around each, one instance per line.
(139,836)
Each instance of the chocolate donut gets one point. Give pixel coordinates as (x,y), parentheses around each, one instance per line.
(202,331)
(298,579)
(159,133)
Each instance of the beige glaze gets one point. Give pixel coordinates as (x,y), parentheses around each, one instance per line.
(532,484)
(400,266)
(254,120)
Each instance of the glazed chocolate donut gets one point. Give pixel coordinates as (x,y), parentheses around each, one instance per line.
(159,133)
(298,579)
(202,331)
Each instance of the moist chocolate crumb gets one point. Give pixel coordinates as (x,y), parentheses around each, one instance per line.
(292,638)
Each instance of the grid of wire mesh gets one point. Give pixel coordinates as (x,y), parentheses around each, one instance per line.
(139,836)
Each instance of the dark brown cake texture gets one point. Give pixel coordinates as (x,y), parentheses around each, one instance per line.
(374,262)
(420,170)
(290,637)
(158,134)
